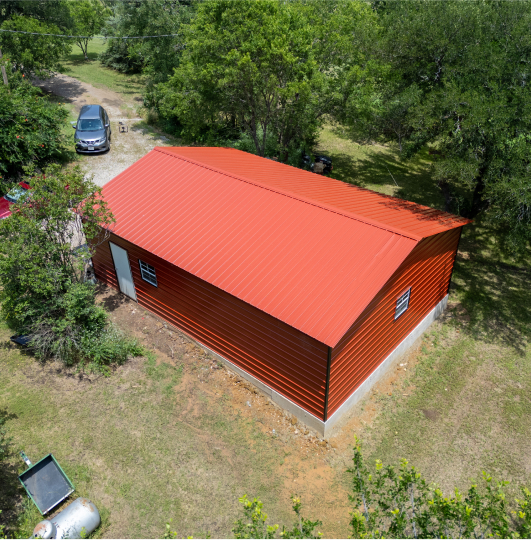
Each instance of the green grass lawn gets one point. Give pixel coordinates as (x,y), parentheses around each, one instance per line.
(380,168)
(125,443)
(92,72)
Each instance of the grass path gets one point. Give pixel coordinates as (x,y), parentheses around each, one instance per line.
(130,86)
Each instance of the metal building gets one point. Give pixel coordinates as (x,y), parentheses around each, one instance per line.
(307,286)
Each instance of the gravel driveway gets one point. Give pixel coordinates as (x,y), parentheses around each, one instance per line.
(126,148)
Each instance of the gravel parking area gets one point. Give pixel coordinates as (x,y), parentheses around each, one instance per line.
(126,148)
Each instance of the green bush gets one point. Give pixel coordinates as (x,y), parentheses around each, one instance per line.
(82,334)
(45,250)
(109,346)
(390,503)
(30,128)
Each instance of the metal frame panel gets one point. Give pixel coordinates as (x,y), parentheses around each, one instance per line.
(285,359)
(69,482)
(376,332)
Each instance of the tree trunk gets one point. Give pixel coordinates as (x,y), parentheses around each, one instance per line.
(478,204)
(445,188)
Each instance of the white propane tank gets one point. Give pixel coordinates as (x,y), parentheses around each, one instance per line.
(77,520)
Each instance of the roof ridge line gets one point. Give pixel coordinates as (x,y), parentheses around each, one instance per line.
(366,221)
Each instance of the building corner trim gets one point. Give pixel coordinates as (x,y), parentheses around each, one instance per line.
(327,383)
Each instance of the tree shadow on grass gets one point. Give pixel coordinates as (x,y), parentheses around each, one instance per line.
(382,169)
(78,58)
(496,295)
(11,491)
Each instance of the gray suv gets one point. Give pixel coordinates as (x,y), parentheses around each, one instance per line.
(93,130)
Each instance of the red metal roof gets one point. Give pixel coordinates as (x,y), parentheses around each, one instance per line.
(306,262)
(406,217)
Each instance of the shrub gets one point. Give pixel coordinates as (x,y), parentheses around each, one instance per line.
(42,271)
(401,504)
(110,346)
(30,127)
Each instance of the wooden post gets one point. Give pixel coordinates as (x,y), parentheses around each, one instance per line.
(4,74)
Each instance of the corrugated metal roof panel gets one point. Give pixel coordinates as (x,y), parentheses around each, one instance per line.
(306,264)
(405,217)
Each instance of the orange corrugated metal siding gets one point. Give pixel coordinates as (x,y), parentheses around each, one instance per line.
(376,334)
(411,218)
(314,268)
(284,358)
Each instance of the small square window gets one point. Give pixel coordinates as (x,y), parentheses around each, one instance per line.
(402,303)
(148,273)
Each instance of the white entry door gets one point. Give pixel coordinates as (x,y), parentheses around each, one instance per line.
(123,270)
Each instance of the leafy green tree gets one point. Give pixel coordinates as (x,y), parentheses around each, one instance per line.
(33,54)
(261,67)
(30,128)
(455,75)
(89,16)
(55,12)
(155,57)
(45,247)
(401,504)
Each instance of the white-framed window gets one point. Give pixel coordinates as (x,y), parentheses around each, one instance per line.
(148,273)
(402,303)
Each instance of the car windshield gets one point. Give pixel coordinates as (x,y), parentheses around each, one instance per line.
(89,124)
(14,194)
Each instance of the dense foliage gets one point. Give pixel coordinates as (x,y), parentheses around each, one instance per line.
(156,57)
(455,75)
(33,54)
(269,69)
(45,246)
(401,504)
(56,12)
(30,128)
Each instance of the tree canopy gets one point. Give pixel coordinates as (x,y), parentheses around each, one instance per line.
(268,68)
(156,57)
(30,128)
(88,17)
(455,75)
(33,54)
